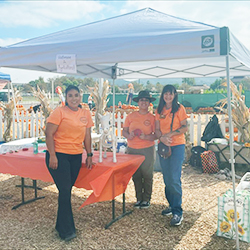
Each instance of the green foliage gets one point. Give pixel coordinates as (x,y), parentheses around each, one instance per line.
(137,86)
(63,82)
(217,91)
(188,81)
(185,87)
(117,89)
(158,87)
(217,85)
(246,83)
(176,85)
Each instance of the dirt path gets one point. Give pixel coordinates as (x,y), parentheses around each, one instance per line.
(32,226)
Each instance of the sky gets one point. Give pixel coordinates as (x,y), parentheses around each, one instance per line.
(22,20)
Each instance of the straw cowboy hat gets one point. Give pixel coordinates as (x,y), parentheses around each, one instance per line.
(144,94)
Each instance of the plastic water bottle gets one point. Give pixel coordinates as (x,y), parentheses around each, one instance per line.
(35,147)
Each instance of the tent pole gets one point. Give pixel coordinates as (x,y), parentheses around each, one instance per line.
(231,137)
(113,111)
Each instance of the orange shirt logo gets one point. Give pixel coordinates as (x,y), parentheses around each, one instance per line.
(84,120)
(147,123)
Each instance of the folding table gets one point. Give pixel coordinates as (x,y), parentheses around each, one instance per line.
(106,179)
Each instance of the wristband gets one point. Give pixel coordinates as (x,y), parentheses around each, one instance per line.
(89,154)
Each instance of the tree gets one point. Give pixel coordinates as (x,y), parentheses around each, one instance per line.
(85,83)
(185,87)
(188,81)
(149,85)
(246,83)
(158,87)
(137,86)
(117,89)
(176,85)
(216,84)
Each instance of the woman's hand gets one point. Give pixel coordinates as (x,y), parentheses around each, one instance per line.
(143,136)
(89,162)
(167,140)
(53,162)
(131,135)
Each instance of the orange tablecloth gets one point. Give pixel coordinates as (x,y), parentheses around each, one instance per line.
(106,179)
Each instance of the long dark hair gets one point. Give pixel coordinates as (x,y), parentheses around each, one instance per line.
(70,87)
(175,105)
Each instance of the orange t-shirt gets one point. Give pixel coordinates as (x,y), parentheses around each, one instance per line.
(166,120)
(146,123)
(71,129)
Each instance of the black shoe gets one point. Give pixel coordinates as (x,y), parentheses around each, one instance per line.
(137,204)
(176,220)
(167,211)
(70,237)
(145,204)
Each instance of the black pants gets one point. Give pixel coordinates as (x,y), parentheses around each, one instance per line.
(64,177)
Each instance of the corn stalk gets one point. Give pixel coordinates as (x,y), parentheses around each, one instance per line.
(240,112)
(8,113)
(45,107)
(100,101)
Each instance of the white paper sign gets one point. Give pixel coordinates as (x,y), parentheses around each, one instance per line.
(66,63)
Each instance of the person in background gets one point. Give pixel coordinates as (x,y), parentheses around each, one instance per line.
(130,93)
(68,127)
(170,126)
(90,101)
(119,104)
(139,130)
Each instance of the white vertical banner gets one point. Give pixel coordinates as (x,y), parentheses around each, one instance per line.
(66,63)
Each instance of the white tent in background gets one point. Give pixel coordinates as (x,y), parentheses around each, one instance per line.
(4,79)
(141,44)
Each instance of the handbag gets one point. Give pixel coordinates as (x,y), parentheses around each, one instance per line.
(164,151)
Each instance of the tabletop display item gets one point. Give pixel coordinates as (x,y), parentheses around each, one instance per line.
(107,138)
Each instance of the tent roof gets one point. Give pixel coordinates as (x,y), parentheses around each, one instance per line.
(141,44)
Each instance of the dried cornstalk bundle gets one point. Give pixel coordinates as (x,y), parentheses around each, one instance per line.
(41,95)
(240,112)
(8,113)
(100,101)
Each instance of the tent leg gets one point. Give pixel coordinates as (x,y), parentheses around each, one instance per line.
(231,160)
(113,124)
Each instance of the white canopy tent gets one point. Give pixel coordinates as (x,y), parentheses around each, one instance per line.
(141,44)
(4,79)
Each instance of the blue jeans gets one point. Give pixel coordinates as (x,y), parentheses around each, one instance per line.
(171,170)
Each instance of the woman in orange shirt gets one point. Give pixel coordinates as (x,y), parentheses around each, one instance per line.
(68,127)
(139,129)
(170,126)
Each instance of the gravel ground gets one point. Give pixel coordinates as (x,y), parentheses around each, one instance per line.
(32,226)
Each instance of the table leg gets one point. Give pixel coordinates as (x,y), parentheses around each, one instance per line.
(22,192)
(124,212)
(28,186)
